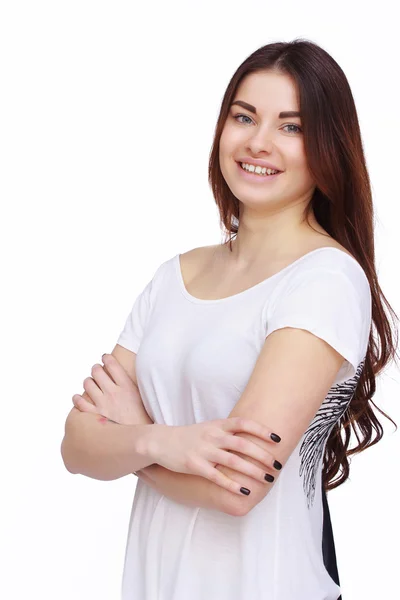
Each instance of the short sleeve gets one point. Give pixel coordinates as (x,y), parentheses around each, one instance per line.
(135,324)
(132,333)
(333,305)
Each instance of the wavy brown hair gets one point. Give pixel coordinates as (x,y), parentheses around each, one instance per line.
(342,204)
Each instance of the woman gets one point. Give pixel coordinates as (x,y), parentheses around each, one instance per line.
(274,324)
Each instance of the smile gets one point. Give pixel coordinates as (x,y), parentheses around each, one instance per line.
(254,177)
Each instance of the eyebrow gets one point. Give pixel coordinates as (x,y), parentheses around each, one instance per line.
(251,108)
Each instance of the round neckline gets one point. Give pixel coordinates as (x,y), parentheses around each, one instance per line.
(195,300)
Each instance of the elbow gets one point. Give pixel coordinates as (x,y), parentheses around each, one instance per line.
(240,507)
(66,456)
(68,444)
(240,511)
(228,502)
(235,507)
(236,512)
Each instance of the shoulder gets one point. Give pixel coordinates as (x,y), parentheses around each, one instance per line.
(322,252)
(326,286)
(200,252)
(306,257)
(331,243)
(328,272)
(336,260)
(319,242)
(326,277)
(194,260)
(313,243)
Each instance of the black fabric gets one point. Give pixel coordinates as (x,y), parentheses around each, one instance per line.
(328,543)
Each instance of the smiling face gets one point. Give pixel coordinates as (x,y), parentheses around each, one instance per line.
(259,131)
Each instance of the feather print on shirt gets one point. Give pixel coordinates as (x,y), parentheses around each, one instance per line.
(316,436)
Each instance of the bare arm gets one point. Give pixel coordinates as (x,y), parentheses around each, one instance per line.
(190,490)
(105,450)
(102,449)
(100,459)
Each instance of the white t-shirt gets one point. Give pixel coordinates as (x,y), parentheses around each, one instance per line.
(194,359)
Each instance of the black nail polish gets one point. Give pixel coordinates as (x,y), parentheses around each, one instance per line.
(269,477)
(277,465)
(245,491)
(275,437)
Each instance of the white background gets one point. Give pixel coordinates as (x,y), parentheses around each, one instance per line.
(107,116)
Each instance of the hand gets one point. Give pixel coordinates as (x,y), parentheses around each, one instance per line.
(197,449)
(113,393)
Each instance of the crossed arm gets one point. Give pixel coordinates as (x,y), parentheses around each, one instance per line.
(191,490)
(287,404)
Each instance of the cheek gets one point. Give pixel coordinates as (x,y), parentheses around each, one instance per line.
(300,168)
(230,139)
(224,144)
(296,158)
(226,151)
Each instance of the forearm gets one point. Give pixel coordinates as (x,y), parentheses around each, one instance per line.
(92,450)
(104,450)
(190,490)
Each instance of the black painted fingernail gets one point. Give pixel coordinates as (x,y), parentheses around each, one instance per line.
(277,465)
(245,491)
(275,437)
(269,477)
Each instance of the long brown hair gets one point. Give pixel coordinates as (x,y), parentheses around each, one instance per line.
(342,204)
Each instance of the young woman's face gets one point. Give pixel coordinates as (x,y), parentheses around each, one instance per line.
(265,136)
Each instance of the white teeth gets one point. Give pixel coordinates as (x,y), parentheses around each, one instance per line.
(258,169)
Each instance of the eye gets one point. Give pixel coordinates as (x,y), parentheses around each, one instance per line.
(299,129)
(236,117)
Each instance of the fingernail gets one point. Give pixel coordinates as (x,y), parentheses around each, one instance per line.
(245,491)
(275,437)
(269,477)
(277,465)
(102,356)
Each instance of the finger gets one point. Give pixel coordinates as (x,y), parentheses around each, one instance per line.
(93,390)
(86,397)
(106,365)
(238,424)
(83,405)
(249,448)
(116,370)
(221,479)
(239,464)
(104,382)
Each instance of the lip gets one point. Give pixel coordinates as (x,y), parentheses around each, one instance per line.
(259,163)
(257,178)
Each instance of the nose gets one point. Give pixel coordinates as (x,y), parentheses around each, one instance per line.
(260,142)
